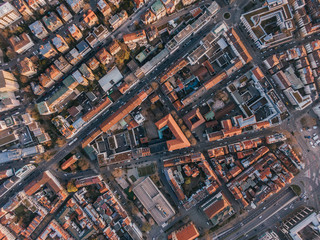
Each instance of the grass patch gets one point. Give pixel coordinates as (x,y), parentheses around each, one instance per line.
(147,170)
(226,15)
(130,195)
(296,189)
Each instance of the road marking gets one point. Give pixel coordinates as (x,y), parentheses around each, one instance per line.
(307,173)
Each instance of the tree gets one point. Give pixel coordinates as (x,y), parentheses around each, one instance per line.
(153,107)
(10,54)
(146,227)
(83,164)
(151,221)
(71,187)
(273,147)
(60,141)
(24,79)
(155,178)
(154,86)
(188,134)
(117,172)
(86,7)
(34,114)
(188,181)
(193,141)
(134,208)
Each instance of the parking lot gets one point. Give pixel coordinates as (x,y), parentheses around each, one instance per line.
(312,136)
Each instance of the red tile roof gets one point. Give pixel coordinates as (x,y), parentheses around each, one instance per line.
(69,162)
(180,140)
(187,232)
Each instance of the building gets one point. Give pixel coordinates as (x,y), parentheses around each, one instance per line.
(93,63)
(62,64)
(104,8)
(53,73)
(64,13)
(7,137)
(38,30)
(132,39)
(104,56)
(115,2)
(270,25)
(35,5)
(86,72)
(90,18)
(180,140)
(158,9)
(73,159)
(60,44)
(153,201)
(187,232)
(268,235)
(101,32)
(52,22)
(193,119)
(114,47)
(187,2)
(83,48)
(87,181)
(152,33)
(110,79)
(217,209)
(21,43)
(75,5)
(8,101)
(47,50)
(118,19)
(296,99)
(27,67)
(6,234)
(293,225)
(75,32)
(121,113)
(8,15)
(8,83)
(148,17)
(6,173)
(54,229)
(237,46)
(22,7)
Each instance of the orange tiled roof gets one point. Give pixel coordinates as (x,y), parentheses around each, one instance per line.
(187,232)
(215,80)
(123,111)
(258,73)
(180,140)
(20,42)
(123,87)
(216,208)
(69,162)
(232,34)
(91,137)
(176,67)
(106,102)
(177,105)
(136,36)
